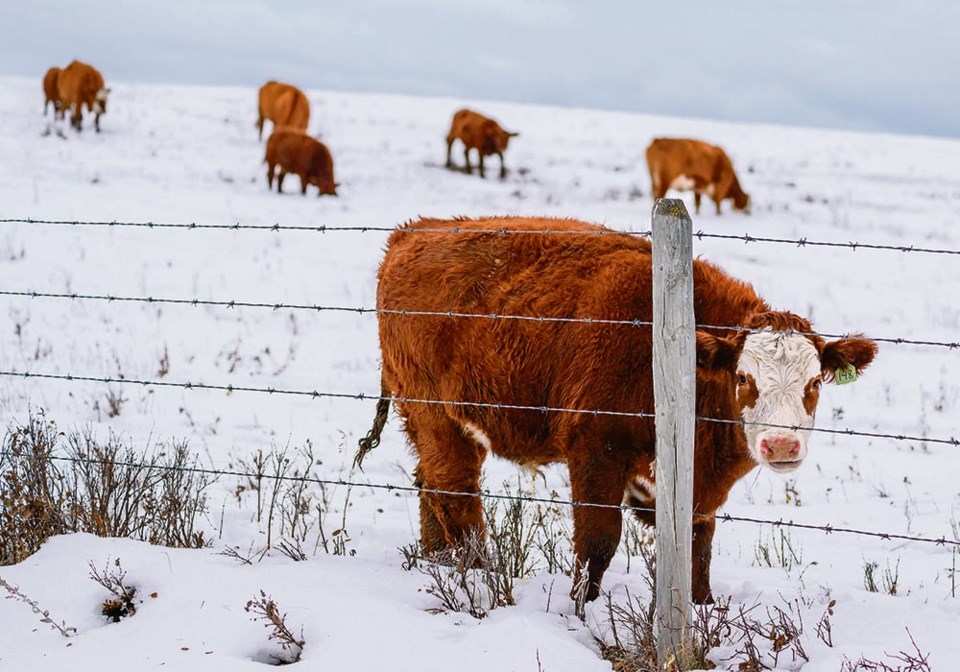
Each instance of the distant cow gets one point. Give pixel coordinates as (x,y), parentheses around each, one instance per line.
(477,132)
(298,153)
(284,105)
(692,165)
(51,92)
(81,85)
(770,373)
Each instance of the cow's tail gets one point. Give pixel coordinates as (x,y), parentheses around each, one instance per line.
(372,439)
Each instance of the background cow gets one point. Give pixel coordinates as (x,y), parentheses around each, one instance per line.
(771,376)
(51,92)
(298,153)
(477,132)
(692,165)
(81,85)
(284,105)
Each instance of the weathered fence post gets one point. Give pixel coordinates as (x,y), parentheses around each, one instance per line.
(674,381)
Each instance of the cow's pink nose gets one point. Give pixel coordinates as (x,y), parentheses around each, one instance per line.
(778,448)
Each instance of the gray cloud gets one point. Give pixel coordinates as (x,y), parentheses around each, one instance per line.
(857,64)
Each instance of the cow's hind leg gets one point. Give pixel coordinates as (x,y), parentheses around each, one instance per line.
(503,168)
(271,168)
(466,159)
(280,177)
(481,163)
(696,202)
(448,462)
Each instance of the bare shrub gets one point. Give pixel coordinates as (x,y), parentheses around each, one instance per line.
(293,503)
(120,604)
(904,661)
(755,638)
(265,609)
(471,578)
(54,483)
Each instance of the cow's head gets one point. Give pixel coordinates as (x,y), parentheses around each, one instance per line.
(495,138)
(100,102)
(741,201)
(777,373)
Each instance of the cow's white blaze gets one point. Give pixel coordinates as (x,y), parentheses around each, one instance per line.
(780,365)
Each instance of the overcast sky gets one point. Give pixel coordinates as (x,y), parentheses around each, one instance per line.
(866,65)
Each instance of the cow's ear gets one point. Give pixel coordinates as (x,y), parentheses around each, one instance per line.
(512,134)
(840,354)
(715,353)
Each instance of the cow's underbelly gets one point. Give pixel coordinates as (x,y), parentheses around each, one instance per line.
(682,183)
(685,183)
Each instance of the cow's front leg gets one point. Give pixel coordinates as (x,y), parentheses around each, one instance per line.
(702,551)
(480,152)
(696,202)
(503,168)
(466,159)
(596,529)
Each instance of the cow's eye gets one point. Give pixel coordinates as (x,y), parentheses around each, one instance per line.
(817,384)
(743,379)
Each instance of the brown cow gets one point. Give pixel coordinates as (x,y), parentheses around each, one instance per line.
(478,132)
(769,374)
(298,153)
(51,92)
(692,165)
(284,105)
(80,84)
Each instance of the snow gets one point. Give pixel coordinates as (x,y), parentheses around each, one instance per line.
(189,154)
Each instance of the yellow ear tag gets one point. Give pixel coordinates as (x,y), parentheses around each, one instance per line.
(845,374)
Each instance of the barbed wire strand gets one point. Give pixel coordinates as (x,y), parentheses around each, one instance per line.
(723,517)
(700,234)
(324,228)
(362,396)
(277,305)
(804,242)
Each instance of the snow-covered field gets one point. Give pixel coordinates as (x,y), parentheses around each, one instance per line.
(181,154)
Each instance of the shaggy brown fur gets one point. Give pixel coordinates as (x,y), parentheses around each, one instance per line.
(570,365)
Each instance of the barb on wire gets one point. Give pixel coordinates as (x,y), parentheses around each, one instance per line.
(804,242)
(360,396)
(278,305)
(389,487)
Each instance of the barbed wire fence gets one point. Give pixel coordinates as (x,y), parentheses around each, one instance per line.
(853,246)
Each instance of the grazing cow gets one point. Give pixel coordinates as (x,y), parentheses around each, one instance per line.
(51,92)
(692,165)
(284,105)
(298,153)
(478,132)
(766,368)
(81,85)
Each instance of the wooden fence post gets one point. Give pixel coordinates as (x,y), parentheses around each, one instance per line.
(674,384)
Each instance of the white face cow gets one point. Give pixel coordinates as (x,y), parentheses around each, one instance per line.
(777,374)
(778,383)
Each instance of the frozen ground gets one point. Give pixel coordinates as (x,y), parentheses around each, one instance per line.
(181,154)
